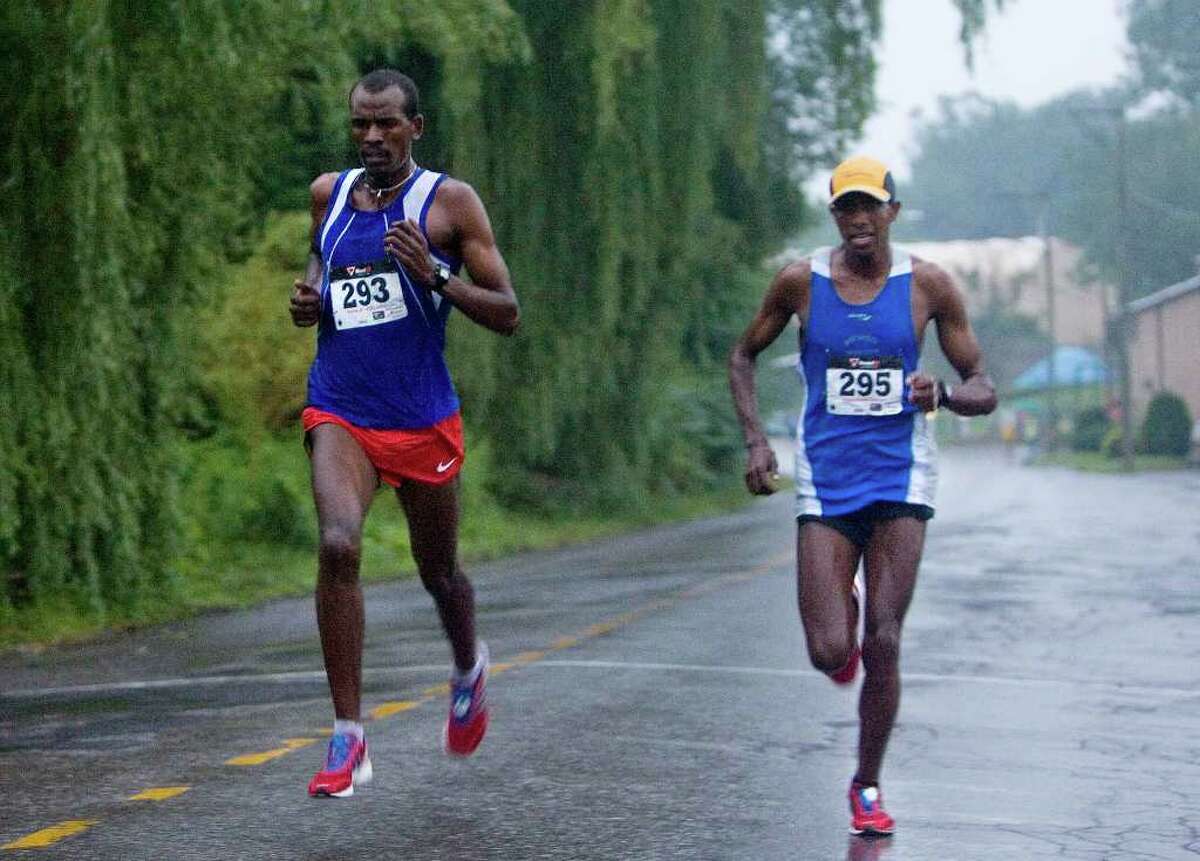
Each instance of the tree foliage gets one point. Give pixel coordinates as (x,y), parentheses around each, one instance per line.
(637,157)
(1164,35)
(990,168)
(133,169)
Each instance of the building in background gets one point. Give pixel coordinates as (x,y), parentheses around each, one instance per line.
(1164,345)
(1010,274)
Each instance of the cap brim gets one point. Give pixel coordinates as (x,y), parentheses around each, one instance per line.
(880,194)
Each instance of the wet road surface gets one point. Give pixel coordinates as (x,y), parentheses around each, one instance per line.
(653,700)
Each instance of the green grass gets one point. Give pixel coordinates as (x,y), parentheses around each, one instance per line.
(1090,461)
(241,574)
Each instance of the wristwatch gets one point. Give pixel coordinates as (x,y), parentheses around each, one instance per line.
(943,391)
(441,275)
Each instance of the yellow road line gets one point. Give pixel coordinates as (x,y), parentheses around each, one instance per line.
(54,833)
(50,836)
(388,709)
(289,744)
(159,793)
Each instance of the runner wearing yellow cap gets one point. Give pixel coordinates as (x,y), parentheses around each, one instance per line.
(866,461)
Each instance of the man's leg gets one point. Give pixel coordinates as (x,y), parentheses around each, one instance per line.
(892,557)
(343,485)
(432,513)
(825,564)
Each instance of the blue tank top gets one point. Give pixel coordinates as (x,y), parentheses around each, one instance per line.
(860,439)
(381,337)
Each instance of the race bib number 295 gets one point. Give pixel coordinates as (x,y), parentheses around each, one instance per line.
(864,386)
(366,294)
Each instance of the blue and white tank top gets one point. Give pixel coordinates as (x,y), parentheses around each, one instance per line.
(380,343)
(860,439)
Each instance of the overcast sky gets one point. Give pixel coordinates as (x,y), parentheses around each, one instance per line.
(1030,53)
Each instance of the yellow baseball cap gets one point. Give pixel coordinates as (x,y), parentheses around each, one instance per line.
(864,174)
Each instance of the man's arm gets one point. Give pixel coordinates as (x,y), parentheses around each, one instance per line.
(488,299)
(305,306)
(976,394)
(777,308)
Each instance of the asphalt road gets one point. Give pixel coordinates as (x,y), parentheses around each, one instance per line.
(653,700)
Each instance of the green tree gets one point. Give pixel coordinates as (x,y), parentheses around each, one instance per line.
(1164,35)
(989,168)
(638,157)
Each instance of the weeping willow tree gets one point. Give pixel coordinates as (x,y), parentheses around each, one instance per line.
(633,183)
(138,146)
(121,191)
(637,157)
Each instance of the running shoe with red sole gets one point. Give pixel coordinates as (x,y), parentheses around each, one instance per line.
(346,766)
(867,815)
(468,718)
(846,674)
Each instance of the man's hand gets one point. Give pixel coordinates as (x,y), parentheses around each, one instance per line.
(923,391)
(762,470)
(306,304)
(405,242)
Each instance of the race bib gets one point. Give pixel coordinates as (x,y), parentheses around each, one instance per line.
(366,294)
(858,386)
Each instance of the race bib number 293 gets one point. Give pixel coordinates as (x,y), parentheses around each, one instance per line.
(864,386)
(366,294)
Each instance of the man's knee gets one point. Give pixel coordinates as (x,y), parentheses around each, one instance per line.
(881,645)
(439,577)
(340,550)
(829,653)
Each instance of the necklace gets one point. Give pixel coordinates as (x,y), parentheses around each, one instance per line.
(380,192)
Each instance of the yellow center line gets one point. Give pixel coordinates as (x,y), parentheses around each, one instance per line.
(159,793)
(289,744)
(53,834)
(388,709)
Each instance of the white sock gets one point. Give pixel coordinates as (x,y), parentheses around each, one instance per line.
(348,727)
(469,677)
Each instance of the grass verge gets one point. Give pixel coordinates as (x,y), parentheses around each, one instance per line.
(242,574)
(1090,461)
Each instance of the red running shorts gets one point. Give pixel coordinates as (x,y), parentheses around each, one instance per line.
(433,455)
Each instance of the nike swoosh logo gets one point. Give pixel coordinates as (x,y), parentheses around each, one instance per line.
(442,467)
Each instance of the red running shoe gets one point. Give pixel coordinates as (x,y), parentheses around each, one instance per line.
(346,765)
(867,815)
(846,674)
(468,718)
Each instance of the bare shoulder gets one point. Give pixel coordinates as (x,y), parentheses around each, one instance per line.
(321,188)
(935,283)
(798,271)
(791,284)
(458,214)
(456,194)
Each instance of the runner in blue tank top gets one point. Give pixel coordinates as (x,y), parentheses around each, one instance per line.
(865,460)
(388,240)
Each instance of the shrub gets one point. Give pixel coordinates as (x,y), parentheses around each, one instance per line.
(1167,427)
(278,514)
(1091,426)
(1110,446)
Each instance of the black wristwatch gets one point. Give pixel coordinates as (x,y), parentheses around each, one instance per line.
(943,391)
(441,275)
